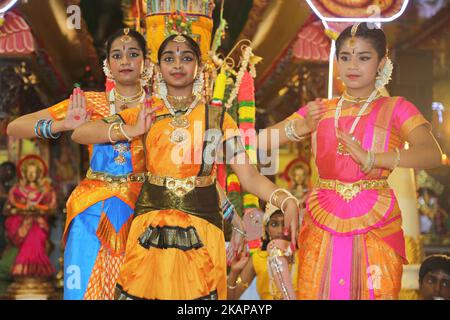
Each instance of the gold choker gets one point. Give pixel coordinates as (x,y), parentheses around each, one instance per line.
(131,99)
(180,102)
(357,100)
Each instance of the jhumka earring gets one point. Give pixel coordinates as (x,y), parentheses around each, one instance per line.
(198,84)
(161,86)
(147,75)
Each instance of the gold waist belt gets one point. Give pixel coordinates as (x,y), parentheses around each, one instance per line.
(109,178)
(349,190)
(180,186)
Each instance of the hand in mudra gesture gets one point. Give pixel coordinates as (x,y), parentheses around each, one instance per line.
(353,147)
(77,113)
(145,120)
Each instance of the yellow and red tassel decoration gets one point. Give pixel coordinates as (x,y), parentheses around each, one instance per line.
(247,115)
(217,102)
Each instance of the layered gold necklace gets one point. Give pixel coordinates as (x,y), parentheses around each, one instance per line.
(125,101)
(180,103)
(180,122)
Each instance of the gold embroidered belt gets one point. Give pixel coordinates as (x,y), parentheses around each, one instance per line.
(115,179)
(349,190)
(180,186)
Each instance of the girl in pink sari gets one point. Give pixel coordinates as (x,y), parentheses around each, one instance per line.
(351,243)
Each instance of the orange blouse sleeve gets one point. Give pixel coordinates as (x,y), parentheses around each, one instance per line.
(59,110)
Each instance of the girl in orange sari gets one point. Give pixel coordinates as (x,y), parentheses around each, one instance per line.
(176,247)
(351,243)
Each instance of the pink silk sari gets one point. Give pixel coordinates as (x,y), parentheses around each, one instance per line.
(355,249)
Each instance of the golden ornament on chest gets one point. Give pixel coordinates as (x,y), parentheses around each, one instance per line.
(121,148)
(180,124)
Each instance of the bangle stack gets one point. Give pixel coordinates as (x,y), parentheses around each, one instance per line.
(43,129)
(119,132)
(289,129)
(397,158)
(278,201)
(228,210)
(284,201)
(370,162)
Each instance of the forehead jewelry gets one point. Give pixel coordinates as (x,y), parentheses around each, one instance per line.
(179,38)
(352,43)
(126,38)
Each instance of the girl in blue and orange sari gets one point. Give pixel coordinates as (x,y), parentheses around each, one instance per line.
(176,247)
(99,210)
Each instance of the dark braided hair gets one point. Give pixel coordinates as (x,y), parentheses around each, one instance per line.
(375,35)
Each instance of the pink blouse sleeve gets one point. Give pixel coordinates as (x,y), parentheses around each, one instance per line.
(407,117)
(299,114)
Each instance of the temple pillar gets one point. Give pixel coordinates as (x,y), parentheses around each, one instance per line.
(402,181)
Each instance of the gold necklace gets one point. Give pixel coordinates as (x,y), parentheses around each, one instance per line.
(180,123)
(350,98)
(180,103)
(131,99)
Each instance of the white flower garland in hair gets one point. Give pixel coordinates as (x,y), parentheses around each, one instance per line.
(107,71)
(385,75)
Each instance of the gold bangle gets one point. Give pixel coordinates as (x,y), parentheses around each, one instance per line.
(232,287)
(109,134)
(118,132)
(370,162)
(286,199)
(240,282)
(275,199)
(124,133)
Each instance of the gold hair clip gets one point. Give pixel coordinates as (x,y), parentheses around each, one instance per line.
(126,38)
(353,36)
(355,29)
(179,38)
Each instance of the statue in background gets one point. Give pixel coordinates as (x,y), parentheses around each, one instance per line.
(30,202)
(433,219)
(297,175)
